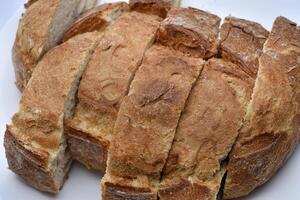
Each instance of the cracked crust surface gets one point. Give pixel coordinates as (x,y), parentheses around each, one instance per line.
(271,127)
(148,117)
(149,113)
(207,129)
(191,31)
(242,42)
(105,83)
(96,19)
(155,7)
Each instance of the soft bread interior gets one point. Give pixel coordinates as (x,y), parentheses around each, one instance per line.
(66,13)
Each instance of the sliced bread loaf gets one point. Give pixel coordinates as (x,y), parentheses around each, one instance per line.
(271,129)
(41,28)
(146,123)
(35,144)
(213,116)
(105,83)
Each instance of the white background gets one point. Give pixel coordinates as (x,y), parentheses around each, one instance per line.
(84,184)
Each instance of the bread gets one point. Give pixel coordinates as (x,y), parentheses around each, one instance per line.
(35,144)
(41,28)
(207,129)
(192,31)
(104,85)
(96,19)
(147,118)
(214,113)
(155,7)
(271,129)
(242,42)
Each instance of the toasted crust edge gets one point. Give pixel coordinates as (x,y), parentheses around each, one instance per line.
(154,7)
(94,19)
(90,151)
(115,191)
(28,165)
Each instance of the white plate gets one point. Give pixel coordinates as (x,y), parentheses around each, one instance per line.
(84,184)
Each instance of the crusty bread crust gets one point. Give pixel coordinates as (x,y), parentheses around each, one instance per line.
(35,145)
(96,19)
(105,83)
(90,151)
(242,42)
(148,117)
(207,130)
(191,31)
(30,38)
(40,28)
(271,129)
(192,189)
(31,165)
(155,7)
(149,114)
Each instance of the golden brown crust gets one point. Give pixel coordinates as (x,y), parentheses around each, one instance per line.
(35,146)
(96,19)
(30,165)
(31,38)
(271,127)
(106,81)
(43,103)
(191,189)
(155,7)
(119,188)
(207,129)
(242,42)
(191,31)
(148,115)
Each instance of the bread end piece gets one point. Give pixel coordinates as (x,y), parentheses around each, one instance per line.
(191,31)
(96,19)
(155,7)
(29,165)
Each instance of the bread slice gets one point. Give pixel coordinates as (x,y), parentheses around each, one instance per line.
(146,123)
(104,85)
(206,132)
(271,129)
(35,144)
(242,42)
(96,19)
(213,115)
(41,28)
(191,31)
(155,7)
